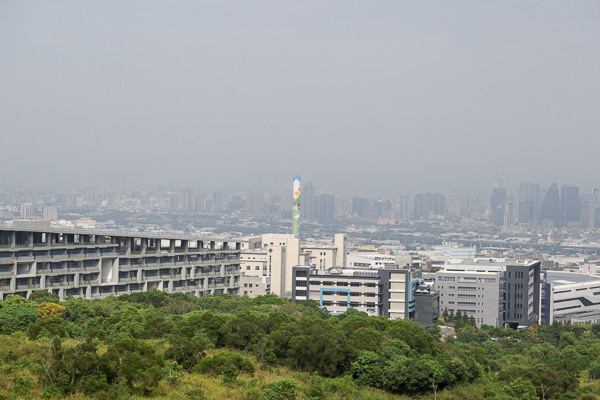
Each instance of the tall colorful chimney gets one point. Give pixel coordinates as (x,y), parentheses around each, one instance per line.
(296,206)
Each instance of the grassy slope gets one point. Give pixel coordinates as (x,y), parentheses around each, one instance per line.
(247,387)
(13,348)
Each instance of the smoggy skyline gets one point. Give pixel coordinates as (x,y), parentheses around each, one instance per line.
(412,97)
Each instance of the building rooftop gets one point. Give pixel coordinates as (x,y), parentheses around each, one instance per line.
(569,278)
(254,251)
(113,232)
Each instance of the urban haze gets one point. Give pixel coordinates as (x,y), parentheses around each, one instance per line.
(299,200)
(402,97)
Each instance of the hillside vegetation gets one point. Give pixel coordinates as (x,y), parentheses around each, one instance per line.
(157,345)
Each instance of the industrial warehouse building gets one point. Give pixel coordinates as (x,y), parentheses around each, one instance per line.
(93,264)
(570,297)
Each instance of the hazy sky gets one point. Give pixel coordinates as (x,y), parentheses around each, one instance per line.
(419,95)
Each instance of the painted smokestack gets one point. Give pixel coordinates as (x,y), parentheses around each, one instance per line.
(296,206)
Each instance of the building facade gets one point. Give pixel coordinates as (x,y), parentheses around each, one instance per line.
(96,264)
(570,297)
(477,294)
(570,206)
(384,292)
(452,250)
(550,207)
(496,293)
(253,286)
(523,295)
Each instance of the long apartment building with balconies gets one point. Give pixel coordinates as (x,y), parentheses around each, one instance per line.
(96,264)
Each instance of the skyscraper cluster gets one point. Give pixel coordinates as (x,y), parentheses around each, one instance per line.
(316,207)
(428,205)
(563,207)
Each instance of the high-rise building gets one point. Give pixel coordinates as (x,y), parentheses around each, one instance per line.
(498,193)
(26,211)
(405,208)
(173,202)
(498,197)
(427,205)
(359,206)
(524,212)
(570,206)
(465,209)
(498,215)
(71,199)
(326,208)
(308,211)
(50,213)
(199,202)
(593,216)
(187,203)
(510,214)
(91,196)
(236,203)
(590,214)
(531,192)
(382,206)
(217,199)
(550,207)
(254,204)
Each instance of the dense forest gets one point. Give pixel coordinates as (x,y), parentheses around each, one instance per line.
(158,345)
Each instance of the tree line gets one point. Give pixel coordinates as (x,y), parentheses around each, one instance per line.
(398,356)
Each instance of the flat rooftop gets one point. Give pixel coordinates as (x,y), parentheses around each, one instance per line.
(115,232)
(569,278)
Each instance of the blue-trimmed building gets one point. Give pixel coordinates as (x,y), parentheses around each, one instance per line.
(386,292)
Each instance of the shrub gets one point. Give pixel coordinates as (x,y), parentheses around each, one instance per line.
(47,327)
(521,390)
(213,365)
(284,389)
(229,373)
(195,394)
(22,386)
(51,392)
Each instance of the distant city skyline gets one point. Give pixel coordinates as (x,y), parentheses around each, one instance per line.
(403,98)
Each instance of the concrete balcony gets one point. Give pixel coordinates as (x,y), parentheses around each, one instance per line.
(128,267)
(32,286)
(60,284)
(182,288)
